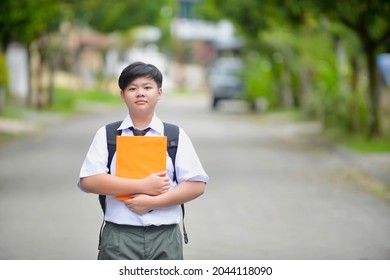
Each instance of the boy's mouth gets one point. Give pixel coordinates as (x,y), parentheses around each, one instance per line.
(141,102)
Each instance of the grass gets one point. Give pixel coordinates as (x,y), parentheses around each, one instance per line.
(12,111)
(369,146)
(66,100)
(359,143)
(356,143)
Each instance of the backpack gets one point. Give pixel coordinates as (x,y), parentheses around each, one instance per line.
(172,133)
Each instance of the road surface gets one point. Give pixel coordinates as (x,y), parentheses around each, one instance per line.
(276,191)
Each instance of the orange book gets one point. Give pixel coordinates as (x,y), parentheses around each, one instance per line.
(139,156)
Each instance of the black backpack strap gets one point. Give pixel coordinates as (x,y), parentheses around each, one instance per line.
(172,132)
(111,133)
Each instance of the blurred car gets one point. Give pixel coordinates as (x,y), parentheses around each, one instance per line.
(225,80)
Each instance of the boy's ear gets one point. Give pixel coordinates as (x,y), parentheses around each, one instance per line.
(122,95)
(160,92)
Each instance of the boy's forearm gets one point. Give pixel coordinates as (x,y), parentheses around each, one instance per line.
(182,193)
(107,184)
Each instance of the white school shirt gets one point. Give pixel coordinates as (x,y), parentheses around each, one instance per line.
(188,168)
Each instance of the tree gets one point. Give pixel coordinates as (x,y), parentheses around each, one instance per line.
(36,23)
(3,80)
(369,20)
(25,21)
(117,15)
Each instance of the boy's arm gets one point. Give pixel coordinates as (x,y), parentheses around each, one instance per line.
(182,193)
(107,184)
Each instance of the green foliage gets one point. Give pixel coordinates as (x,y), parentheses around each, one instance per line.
(259,80)
(117,15)
(368,18)
(25,20)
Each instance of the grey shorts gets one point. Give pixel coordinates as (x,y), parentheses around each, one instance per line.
(123,242)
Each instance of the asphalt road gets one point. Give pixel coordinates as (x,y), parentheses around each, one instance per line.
(275,191)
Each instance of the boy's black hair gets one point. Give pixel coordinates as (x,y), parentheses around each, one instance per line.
(139,69)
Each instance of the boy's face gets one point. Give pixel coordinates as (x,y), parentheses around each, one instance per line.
(141,96)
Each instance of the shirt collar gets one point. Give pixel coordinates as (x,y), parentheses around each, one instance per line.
(156,124)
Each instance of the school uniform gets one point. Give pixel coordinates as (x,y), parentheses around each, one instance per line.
(158,228)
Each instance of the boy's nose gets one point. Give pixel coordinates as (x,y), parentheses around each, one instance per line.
(140,92)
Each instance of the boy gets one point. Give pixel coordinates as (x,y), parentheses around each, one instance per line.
(147,225)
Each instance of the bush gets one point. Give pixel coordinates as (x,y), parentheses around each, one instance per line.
(259,81)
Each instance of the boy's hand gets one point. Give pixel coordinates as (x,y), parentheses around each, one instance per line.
(139,204)
(157,183)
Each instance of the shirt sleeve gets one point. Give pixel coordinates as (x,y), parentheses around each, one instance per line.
(188,166)
(97,157)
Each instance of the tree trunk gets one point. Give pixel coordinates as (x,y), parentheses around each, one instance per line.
(353,104)
(50,90)
(29,99)
(2,98)
(373,95)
